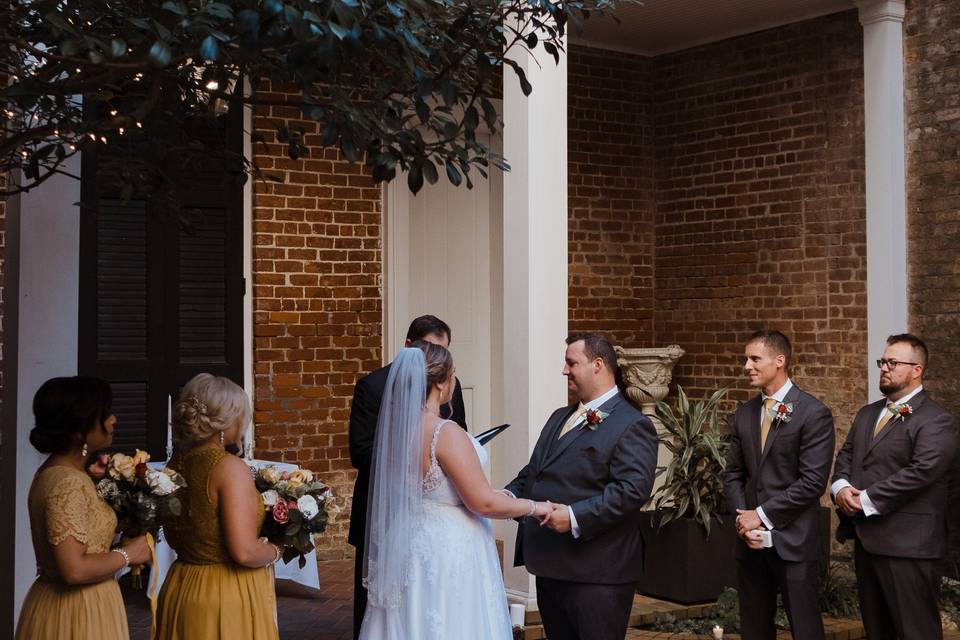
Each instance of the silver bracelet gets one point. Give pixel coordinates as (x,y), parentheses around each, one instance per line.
(533,508)
(122,552)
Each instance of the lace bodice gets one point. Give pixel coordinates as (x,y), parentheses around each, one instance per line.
(195,534)
(436,486)
(63,503)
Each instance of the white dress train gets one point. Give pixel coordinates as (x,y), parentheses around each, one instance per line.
(455,585)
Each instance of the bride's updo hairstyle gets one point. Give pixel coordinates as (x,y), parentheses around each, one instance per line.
(208,405)
(66,409)
(439,362)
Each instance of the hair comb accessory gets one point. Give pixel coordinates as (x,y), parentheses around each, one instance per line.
(197,403)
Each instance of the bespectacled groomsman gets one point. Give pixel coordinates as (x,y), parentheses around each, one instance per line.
(890,484)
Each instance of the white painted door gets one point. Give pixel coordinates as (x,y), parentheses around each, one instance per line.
(437,258)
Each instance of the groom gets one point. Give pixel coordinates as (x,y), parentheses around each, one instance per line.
(596,461)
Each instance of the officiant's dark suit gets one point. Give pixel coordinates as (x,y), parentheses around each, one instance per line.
(901,467)
(783,480)
(364,412)
(603,473)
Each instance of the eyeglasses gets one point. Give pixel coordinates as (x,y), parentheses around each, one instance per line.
(893,364)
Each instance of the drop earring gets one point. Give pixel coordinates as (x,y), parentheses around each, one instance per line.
(221,438)
(83,451)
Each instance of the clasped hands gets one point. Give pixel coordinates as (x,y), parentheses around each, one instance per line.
(549,514)
(848,499)
(749,526)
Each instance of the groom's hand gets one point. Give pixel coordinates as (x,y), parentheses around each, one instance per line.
(558,520)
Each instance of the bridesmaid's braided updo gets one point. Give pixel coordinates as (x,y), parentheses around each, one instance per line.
(208,405)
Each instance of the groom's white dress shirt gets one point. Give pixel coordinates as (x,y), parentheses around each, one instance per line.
(868,507)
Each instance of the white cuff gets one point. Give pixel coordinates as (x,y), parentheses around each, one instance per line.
(764,519)
(869,509)
(837,486)
(574,527)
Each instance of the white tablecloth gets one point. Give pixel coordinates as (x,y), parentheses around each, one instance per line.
(308,576)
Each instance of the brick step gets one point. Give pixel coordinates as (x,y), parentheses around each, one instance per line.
(645,611)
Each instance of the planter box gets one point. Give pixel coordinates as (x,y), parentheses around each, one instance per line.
(683,565)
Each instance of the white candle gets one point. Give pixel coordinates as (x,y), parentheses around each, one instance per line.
(717,632)
(517,614)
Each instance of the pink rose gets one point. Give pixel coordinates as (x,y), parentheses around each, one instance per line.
(291,505)
(280,512)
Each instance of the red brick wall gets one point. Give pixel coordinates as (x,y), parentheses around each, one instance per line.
(933,188)
(760,218)
(611,194)
(317,305)
(932,80)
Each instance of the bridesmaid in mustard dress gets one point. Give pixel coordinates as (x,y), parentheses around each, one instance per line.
(75,595)
(221,585)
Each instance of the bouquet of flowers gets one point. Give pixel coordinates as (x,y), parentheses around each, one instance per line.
(140,496)
(298,506)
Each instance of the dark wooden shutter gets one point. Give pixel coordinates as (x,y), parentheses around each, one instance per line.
(161,293)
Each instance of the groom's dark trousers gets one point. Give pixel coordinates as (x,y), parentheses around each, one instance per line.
(364,412)
(585,584)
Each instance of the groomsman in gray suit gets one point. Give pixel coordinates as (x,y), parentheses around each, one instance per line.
(777,469)
(596,459)
(890,484)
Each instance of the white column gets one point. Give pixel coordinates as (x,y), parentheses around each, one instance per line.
(47,232)
(882,22)
(534,274)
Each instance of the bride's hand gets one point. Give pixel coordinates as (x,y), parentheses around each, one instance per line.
(543,510)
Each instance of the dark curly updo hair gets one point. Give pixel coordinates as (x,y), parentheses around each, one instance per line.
(439,362)
(66,409)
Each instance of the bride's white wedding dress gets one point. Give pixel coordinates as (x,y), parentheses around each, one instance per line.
(456,587)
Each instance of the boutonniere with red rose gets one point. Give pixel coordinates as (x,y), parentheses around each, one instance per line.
(902,411)
(593,418)
(782,412)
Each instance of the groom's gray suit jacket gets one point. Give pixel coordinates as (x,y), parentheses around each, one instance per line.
(606,476)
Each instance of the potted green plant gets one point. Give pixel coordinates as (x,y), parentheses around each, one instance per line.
(689,545)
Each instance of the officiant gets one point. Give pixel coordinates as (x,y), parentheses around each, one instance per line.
(364,411)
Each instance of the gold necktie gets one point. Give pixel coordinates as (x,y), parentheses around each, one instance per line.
(887,415)
(581,410)
(766,421)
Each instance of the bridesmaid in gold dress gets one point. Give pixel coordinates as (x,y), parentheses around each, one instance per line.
(75,595)
(221,585)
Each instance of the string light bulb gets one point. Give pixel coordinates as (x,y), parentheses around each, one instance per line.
(113,112)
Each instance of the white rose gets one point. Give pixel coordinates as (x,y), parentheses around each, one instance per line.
(270,498)
(303,476)
(140,457)
(160,483)
(308,506)
(270,475)
(122,467)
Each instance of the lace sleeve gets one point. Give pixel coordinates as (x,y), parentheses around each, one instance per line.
(67,511)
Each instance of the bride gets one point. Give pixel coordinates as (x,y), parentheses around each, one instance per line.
(431,568)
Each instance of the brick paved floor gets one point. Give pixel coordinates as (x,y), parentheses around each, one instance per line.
(302,614)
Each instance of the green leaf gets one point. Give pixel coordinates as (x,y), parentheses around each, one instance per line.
(430,171)
(453,174)
(118,48)
(415,178)
(209,48)
(174,7)
(160,53)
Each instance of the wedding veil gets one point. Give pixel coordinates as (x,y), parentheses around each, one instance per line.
(395,490)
